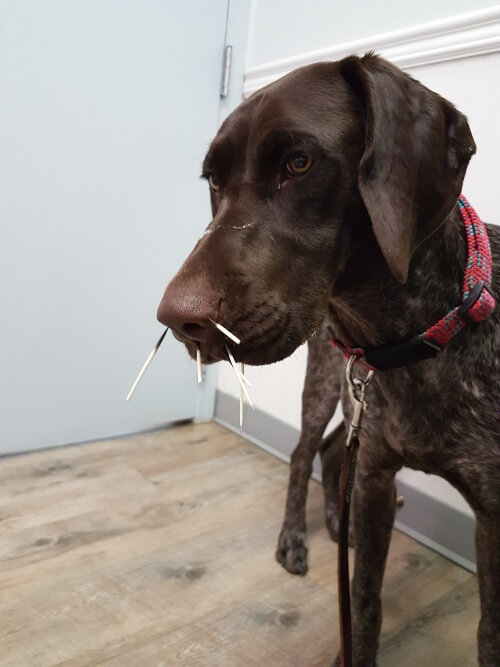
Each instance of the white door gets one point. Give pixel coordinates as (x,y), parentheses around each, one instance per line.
(106,110)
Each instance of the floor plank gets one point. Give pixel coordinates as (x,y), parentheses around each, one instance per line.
(158,550)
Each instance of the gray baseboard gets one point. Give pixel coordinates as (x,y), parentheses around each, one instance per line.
(426,519)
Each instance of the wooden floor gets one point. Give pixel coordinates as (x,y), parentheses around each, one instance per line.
(158,550)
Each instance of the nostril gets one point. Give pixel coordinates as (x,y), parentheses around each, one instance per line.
(193,330)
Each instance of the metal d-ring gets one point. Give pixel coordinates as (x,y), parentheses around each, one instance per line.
(357,390)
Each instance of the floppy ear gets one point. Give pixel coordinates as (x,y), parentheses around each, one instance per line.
(417,147)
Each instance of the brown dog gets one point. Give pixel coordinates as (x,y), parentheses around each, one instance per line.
(334,193)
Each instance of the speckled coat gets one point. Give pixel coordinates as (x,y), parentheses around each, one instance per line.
(334,194)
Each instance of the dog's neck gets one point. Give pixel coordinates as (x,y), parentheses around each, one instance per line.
(368,307)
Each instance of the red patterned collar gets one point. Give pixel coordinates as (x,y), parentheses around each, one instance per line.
(477,304)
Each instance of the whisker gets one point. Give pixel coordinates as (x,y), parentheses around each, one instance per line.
(146,364)
(238,375)
(226,332)
(198,364)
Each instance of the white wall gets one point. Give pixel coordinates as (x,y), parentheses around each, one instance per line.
(282,30)
(285,28)
(106,109)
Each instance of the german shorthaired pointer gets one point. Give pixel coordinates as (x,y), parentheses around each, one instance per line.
(335,193)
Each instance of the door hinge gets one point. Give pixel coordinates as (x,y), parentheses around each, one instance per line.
(226,70)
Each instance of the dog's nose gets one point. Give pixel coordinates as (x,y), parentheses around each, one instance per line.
(189,309)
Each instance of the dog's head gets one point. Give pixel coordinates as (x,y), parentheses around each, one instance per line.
(301,175)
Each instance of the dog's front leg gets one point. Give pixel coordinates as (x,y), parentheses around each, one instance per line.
(488,570)
(319,400)
(292,543)
(374,509)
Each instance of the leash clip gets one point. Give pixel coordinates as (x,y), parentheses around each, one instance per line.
(357,391)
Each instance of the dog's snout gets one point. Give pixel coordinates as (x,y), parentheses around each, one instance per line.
(189,309)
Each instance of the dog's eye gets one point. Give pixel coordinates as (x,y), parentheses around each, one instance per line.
(213,182)
(299,163)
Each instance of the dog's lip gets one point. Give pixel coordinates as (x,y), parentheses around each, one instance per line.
(251,356)
(267,346)
(208,354)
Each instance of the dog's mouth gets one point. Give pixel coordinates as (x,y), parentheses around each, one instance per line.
(259,345)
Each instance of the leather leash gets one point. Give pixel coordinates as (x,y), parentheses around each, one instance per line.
(357,390)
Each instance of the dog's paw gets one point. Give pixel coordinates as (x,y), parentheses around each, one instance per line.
(292,551)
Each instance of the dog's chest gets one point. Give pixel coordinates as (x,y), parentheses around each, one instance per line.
(424,419)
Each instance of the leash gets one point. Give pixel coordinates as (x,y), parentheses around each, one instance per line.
(357,390)
(477,304)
